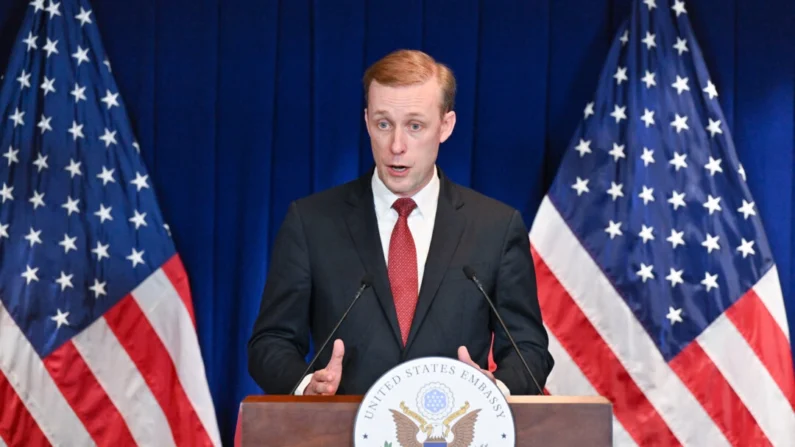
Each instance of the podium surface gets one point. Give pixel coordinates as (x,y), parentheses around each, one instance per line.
(304,421)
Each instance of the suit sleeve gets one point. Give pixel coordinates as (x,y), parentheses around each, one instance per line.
(279,342)
(516,298)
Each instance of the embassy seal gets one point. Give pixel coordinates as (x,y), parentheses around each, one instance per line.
(434,402)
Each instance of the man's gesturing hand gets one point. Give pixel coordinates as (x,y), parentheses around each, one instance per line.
(463,355)
(326,381)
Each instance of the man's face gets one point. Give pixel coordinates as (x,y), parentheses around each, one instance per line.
(406,127)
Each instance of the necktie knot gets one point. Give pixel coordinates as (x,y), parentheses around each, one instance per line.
(404,206)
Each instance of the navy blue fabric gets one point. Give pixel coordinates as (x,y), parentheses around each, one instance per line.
(241,106)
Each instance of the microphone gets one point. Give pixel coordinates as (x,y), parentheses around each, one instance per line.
(365,283)
(470,273)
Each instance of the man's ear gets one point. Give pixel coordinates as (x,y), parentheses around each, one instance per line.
(448,123)
(366,121)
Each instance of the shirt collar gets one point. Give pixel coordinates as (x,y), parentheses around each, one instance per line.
(426,198)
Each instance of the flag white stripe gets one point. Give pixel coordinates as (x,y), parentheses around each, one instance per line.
(163,307)
(750,379)
(769,291)
(2,443)
(620,330)
(567,379)
(115,371)
(27,374)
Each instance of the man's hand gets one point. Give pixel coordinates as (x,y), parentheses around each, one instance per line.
(463,355)
(326,381)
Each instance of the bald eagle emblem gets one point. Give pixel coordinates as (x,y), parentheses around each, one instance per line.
(435,421)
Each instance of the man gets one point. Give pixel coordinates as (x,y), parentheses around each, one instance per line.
(412,230)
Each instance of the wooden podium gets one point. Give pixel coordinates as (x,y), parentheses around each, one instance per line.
(304,421)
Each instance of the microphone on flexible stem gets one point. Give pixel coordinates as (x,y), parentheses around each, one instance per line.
(366,281)
(470,273)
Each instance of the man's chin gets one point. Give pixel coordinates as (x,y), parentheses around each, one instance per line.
(401,186)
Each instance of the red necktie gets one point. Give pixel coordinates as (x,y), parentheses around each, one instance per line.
(403,267)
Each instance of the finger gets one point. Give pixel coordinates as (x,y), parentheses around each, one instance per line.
(463,355)
(322,376)
(311,389)
(335,364)
(327,388)
(315,386)
(322,388)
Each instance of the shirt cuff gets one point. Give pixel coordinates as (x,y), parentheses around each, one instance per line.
(304,383)
(503,388)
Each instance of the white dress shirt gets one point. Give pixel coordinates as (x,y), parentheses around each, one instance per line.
(420,221)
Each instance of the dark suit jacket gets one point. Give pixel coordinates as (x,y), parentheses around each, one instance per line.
(328,242)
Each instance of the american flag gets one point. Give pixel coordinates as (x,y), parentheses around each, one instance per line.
(656,280)
(98,342)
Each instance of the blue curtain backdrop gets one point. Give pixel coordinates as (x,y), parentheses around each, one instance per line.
(244,105)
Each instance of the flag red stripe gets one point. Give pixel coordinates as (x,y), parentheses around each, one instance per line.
(175,272)
(755,323)
(151,357)
(86,396)
(17,426)
(718,398)
(597,362)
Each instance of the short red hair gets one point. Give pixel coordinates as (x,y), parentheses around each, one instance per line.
(410,67)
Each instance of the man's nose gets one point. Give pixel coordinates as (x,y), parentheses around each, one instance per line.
(398,142)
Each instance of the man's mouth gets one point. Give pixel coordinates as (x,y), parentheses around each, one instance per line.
(398,168)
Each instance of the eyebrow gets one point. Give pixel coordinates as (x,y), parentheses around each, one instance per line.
(410,115)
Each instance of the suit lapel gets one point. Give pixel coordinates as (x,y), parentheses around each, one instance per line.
(447,230)
(363,228)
